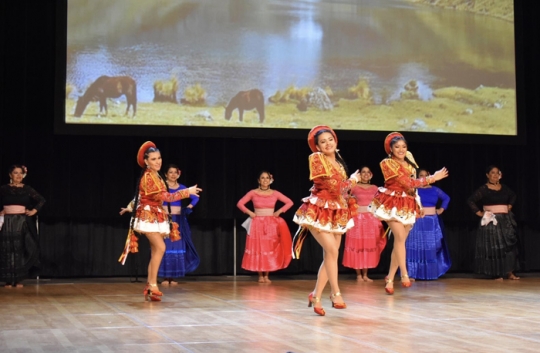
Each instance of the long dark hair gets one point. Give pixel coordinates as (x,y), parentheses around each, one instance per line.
(338,156)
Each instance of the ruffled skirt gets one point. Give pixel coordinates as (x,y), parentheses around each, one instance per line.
(496,247)
(390,205)
(152,219)
(315,213)
(268,245)
(428,257)
(180,256)
(364,242)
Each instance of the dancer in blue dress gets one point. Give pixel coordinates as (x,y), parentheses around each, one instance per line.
(180,256)
(427,253)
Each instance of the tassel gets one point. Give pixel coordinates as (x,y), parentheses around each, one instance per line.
(175,232)
(298,241)
(131,245)
(387,233)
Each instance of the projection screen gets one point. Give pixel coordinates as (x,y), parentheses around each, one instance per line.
(370,65)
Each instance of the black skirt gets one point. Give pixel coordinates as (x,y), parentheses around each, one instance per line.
(496,247)
(18,248)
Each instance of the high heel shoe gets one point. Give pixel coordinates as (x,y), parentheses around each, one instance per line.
(152,295)
(388,281)
(311,301)
(337,305)
(406,284)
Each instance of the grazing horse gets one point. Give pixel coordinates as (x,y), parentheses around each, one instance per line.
(108,87)
(246,100)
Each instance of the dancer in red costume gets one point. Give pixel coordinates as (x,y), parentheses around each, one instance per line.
(268,244)
(150,218)
(365,241)
(327,213)
(398,203)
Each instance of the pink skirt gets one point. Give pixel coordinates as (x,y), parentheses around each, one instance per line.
(364,242)
(268,246)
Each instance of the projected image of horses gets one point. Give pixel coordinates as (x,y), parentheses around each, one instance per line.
(108,87)
(246,100)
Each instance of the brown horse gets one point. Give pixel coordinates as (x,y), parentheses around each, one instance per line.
(246,100)
(108,87)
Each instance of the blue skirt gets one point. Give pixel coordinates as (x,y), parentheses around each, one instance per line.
(427,253)
(180,256)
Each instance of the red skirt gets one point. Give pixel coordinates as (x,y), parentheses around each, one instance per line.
(395,206)
(324,218)
(268,246)
(364,242)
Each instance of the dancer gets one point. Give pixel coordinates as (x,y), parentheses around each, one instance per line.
(150,219)
(268,243)
(496,239)
(180,256)
(427,253)
(327,213)
(397,203)
(366,240)
(19,250)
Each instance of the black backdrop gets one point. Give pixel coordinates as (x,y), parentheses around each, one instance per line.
(86,179)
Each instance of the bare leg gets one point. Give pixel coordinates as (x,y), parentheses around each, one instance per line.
(358,274)
(328,271)
(261,277)
(364,275)
(511,275)
(398,258)
(157,249)
(266,279)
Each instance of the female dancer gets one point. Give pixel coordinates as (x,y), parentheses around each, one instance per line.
(150,219)
(327,213)
(365,241)
(180,256)
(427,253)
(268,245)
(397,203)
(18,235)
(496,238)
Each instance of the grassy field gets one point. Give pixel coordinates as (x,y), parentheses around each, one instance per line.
(503,9)
(457,110)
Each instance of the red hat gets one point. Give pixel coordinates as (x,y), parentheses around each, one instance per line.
(311,136)
(388,139)
(140,155)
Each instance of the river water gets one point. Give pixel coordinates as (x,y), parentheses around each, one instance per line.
(233,45)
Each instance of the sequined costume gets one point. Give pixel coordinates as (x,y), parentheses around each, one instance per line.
(149,215)
(329,207)
(398,200)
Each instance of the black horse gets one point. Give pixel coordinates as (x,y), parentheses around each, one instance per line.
(108,87)
(246,100)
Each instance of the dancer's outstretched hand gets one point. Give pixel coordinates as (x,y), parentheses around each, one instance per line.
(194,190)
(441,174)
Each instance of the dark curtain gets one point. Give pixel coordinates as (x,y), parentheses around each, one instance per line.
(86,179)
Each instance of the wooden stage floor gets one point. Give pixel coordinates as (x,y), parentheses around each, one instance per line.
(225,315)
